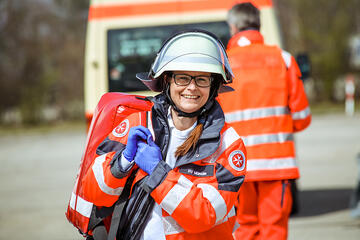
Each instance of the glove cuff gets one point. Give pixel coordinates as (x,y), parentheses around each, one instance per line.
(126,156)
(118,169)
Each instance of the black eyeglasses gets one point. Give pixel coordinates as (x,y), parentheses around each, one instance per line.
(185,79)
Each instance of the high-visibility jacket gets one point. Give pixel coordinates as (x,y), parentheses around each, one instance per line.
(268,105)
(197,196)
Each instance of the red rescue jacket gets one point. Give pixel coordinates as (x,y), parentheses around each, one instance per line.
(197,196)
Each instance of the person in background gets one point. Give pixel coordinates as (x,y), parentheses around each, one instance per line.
(190,164)
(268,105)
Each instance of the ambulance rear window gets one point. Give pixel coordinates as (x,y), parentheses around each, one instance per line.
(132,50)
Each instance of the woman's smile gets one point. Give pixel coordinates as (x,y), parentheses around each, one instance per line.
(190,96)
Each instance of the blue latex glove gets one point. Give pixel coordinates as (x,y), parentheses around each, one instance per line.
(136,134)
(148,155)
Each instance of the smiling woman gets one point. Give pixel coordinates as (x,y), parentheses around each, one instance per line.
(191,162)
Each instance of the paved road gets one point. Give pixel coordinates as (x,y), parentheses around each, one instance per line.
(327,153)
(37,174)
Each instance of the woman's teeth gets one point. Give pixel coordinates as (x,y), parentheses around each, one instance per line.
(190,96)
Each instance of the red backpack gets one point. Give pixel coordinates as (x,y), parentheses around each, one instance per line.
(110,111)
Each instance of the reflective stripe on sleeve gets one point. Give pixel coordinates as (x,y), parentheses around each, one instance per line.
(287,58)
(82,206)
(227,138)
(98,171)
(273,163)
(215,199)
(256,113)
(176,194)
(301,114)
(231,213)
(267,138)
(171,226)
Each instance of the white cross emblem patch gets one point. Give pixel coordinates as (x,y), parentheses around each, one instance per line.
(237,160)
(122,129)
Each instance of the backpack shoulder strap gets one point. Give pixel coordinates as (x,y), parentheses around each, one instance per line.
(119,206)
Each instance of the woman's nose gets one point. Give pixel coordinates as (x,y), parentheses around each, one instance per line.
(192,84)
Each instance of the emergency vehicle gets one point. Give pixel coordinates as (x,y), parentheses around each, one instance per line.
(123,37)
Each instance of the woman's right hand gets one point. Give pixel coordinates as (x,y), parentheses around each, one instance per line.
(136,134)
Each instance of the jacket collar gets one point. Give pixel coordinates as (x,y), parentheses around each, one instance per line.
(245,38)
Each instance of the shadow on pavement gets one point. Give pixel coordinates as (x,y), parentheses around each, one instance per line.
(317,202)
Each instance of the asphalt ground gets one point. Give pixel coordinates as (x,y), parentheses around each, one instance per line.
(38,168)
(330,172)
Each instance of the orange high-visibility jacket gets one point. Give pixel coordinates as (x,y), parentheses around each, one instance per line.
(197,196)
(268,105)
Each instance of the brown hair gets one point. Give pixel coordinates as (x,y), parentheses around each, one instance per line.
(190,142)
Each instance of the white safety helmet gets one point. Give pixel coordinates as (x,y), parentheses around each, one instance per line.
(192,50)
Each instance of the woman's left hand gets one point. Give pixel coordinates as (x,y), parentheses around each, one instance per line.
(148,155)
(136,134)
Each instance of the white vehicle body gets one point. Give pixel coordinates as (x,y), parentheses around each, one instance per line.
(123,37)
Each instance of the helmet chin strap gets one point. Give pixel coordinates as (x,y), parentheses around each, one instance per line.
(204,109)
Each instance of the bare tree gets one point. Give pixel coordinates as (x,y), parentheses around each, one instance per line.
(41,60)
(322,29)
